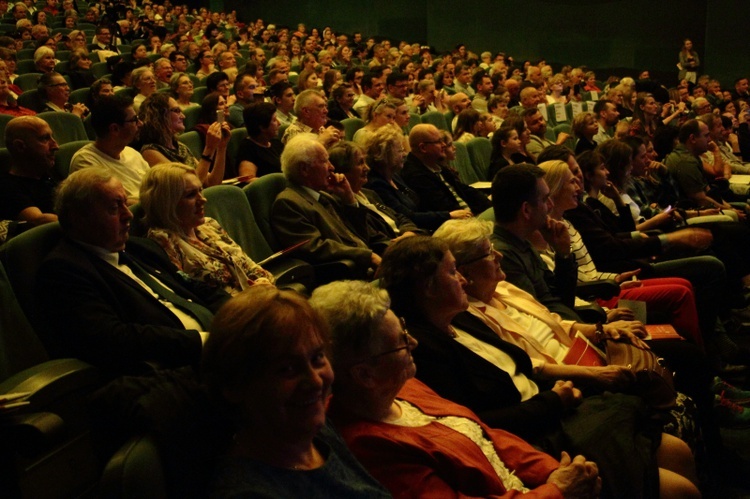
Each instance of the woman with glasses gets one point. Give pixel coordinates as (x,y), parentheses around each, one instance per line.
(206,63)
(467,362)
(409,437)
(265,364)
(55,91)
(163,120)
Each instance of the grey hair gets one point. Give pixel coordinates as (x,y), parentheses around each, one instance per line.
(75,194)
(464,237)
(354,311)
(305,98)
(298,152)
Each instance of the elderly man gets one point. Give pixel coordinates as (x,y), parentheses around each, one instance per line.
(226,60)
(319,207)
(372,88)
(424,100)
(311,110)
(438,188)
(457,103)
(538,128)
(116,125)
(163,71)
(26,191)
(110,301)
(529,97)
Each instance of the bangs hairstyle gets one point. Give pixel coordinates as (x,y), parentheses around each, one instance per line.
(161,190)
(354,312)
(380,147)
(408,268)
(251,330)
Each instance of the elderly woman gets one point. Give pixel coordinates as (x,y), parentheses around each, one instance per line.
(79,69)
(198,246)
(386,153)
(405,434)
(380,113)
(260,151)
(44,60)
(342,100)
(265,362)
(143,80)
(349,158)
(465,361)
(162,121)
(8,104)
(181,88)
(55,91)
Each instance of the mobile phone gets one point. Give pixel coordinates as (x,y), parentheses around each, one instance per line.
(668,209)
(220,116)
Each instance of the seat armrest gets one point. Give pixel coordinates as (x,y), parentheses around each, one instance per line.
(289,271)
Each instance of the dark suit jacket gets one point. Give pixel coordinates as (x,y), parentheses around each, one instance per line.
(405,201)
(296,216)
(460,375)
(98,314)
(434,195)
(378,225)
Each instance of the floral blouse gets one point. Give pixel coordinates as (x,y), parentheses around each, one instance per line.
(213,257)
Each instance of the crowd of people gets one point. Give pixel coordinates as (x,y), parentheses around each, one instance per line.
(449,334)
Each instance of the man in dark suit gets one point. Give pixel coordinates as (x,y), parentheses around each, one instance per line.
(319,207)
(438,188)
(114,302)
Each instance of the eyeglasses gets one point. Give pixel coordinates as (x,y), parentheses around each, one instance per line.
(404,338)
(134,119)
(63,84)
(438,141)
(489,256)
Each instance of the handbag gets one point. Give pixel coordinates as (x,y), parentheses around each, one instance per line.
(654,381)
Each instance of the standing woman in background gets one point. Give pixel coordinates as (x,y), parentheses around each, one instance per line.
(689,62)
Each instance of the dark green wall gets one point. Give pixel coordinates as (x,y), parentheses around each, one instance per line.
(631,34)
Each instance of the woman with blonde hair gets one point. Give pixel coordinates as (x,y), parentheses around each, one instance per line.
(172,199)
(380,113)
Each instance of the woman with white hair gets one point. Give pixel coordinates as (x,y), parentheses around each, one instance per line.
(409,437)
(143,80)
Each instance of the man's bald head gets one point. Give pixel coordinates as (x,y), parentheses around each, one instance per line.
(426,144)
(458,102)
(31,145)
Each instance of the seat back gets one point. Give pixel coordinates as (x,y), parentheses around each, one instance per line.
(191,116)
(351,125)
(229,205)
(64,155)
(480,151)
(199,93)
(66,127)
(22,257)
(25,66)
(488,214)
(233,149)
(193,141)
(28,81)
(19,346)
(4,119)
(134,472)
(99,69)
(463,164)
(79,95)
(436,118)
(414,120)
(570,143)
(261,194)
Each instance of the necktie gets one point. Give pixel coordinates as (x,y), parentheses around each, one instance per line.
(200,313)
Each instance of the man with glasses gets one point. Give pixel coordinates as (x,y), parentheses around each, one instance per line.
(312,114)
(397,85)
(438,188)
(103,40)
(179,61)
(116,125)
